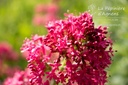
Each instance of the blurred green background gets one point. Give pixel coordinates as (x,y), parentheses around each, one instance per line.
(16,23)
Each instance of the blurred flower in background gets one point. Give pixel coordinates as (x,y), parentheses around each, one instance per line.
(45,13)
(6,52)
(7,55)
(19,78)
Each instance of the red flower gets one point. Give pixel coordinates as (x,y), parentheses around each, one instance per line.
(82,52)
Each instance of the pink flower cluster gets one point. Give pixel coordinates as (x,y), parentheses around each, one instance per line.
(73,52)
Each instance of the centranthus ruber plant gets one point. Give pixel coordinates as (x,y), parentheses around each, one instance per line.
(74,52)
